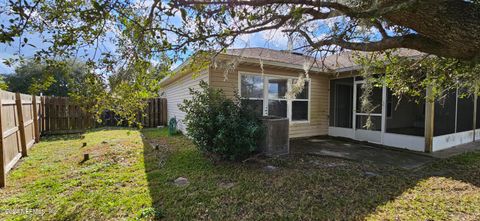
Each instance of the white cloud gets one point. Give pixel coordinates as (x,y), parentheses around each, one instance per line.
(275,37)
(243,41)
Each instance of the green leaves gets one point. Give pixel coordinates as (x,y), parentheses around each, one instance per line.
(183,12)
(219,125)
(124,92)
(50,78)
(96,5)
(411,77)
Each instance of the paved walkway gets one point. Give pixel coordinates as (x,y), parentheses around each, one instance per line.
(332,147)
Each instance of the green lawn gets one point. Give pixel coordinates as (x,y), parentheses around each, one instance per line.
(126,178)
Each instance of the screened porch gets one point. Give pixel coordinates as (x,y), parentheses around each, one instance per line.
(402,123)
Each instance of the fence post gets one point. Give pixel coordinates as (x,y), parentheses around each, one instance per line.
(36,127)
(48,113)
(21,125)
(2,152)
(67,114)
(149,113)
(42,114)
(165,112)
(156,111)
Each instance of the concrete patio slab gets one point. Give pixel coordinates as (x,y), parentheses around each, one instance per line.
(457,150)
(360,152)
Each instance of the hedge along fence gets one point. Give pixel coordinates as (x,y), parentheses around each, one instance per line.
(24,117)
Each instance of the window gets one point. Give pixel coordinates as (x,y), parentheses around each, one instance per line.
(268,94)
(277,102)
(252,90)
(300,104)
(252,87)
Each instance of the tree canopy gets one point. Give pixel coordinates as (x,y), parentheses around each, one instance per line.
(447,28)
(50,79)
(141,36)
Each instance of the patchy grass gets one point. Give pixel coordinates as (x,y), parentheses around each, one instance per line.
(310,188)
(54,185)
(126,178)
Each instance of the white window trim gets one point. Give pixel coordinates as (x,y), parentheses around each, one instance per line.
(265,94)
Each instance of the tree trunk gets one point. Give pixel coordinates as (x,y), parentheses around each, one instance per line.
(452,25)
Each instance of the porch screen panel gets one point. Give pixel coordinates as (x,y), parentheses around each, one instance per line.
(341,102)
(478,114)
(362,115)
(445,114)
(376,122)
(375,99)
(405,115)
(464,113)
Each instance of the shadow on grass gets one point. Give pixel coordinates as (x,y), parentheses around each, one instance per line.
(154,160)
(303,188)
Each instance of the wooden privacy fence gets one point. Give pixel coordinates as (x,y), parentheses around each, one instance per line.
(19,126)
(155,113)
(23,118)
(62,117)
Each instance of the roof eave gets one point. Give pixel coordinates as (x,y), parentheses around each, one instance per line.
(269,62)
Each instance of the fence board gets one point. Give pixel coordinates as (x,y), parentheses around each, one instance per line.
(36,119)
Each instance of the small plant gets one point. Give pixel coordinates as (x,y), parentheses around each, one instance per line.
(151,213)
(225,127)
(172,126)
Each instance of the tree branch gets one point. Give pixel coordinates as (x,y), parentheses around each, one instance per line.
(380,28)
(411,41)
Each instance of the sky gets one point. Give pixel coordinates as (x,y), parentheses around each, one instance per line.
(13,49)
(273,39)
(8,51)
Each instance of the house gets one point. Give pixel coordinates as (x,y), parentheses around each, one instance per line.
(329,102)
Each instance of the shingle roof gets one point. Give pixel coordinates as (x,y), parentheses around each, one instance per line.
(346,59)
(343,61)
(272,55)
(336,62)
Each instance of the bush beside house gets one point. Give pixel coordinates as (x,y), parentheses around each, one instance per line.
(224,127)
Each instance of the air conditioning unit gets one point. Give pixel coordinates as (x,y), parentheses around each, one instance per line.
(276,140)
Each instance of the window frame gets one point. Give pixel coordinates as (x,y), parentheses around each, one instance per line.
(265,98)
(253,98)
(267,87)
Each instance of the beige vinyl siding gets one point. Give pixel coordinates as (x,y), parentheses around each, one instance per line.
(177,91)
(318,124)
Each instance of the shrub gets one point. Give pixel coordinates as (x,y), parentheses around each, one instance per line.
(225,127)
